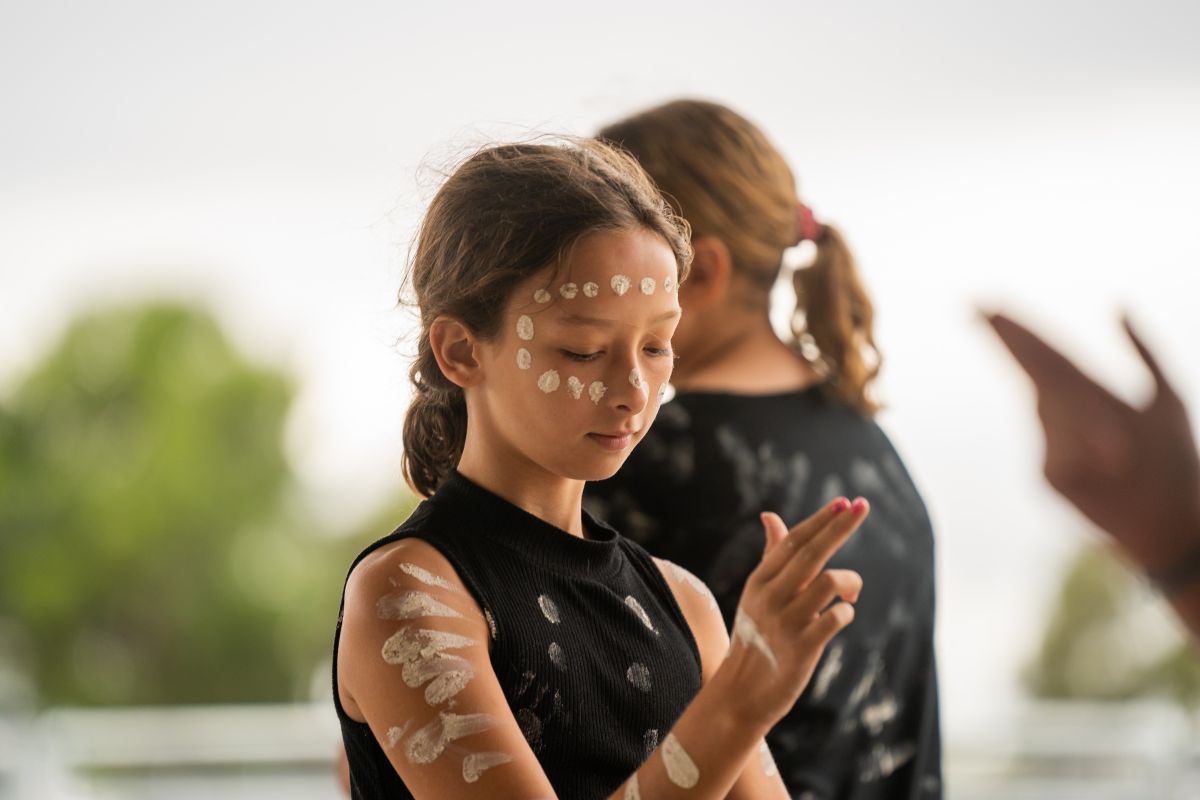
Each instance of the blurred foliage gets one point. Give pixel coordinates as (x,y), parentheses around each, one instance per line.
(152,549)
(1112,638)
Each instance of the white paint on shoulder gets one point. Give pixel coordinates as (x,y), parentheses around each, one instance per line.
(396,733)
(426,577)
(683,576)
(429,742)
(412,605)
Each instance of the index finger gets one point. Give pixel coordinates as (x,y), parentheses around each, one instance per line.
(801,533)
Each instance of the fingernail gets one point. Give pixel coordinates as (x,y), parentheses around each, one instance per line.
(860,505)
(840,505)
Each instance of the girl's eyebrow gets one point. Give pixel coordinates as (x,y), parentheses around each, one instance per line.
(577,320)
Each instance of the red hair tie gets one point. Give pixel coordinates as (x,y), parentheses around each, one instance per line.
(807,227)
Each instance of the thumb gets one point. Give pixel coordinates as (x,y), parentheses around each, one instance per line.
(775,529)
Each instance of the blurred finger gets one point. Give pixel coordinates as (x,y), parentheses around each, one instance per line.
(824,589)
(777,557)
(808,561)
(827,625)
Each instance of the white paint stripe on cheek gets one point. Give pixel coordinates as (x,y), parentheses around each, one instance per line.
(427,744)
(635,379)
(541,296)
(681,770)
(632,792)
(574,386)
(475,764)
(426,577)
(411,605)
(568,291)
(647,286)
(620,284)
(548,381)
(525,328)
(524,359)
(591,289)
(596,391)
(747,631)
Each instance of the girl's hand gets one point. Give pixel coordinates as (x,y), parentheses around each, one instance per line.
(785,618)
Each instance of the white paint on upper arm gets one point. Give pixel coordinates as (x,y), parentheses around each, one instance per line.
(475,764)
(412,605)
(422,658)
(396,733)
(426,744)
(426,577)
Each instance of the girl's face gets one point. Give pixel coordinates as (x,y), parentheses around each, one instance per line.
(575,376)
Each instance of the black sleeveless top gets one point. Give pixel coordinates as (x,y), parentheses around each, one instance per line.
(594,655)
(866,728)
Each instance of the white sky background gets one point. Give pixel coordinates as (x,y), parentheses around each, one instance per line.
(265,159)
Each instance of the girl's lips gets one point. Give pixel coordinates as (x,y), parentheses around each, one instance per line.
(618,442)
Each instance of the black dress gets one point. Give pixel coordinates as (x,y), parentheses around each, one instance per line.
(595,657)
(867,725)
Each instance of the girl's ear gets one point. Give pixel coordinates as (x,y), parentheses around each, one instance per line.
(455,347)
(708,281)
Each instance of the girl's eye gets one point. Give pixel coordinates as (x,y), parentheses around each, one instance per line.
(582,357)
(659,352)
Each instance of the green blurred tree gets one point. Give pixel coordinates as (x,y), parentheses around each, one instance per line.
(1111,638)
(147,549)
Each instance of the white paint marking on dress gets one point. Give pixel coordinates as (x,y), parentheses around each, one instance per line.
(829,670)
(680,768)
(620,284)
(596,390)
(427,744)
(632,602)
(549,610)
(568,291)
(635,379)
(395,734)
(747,631)
(639,676)
(574,386)
(683,576)
(557,657)
(632,792)
(876,715)
(491,621)
(475,764)
(541,296)
(591,289)
(426,577)
(765,759)
(422,658)
(524,359)
(412,605)
(650,741)
(525,328)
(548,381)
(647,286)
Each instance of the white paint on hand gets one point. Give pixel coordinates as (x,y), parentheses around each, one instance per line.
(620,284)
(525,328)
(591,289)
(541,296)
(557,656)
(548,381)
(427,744)
(549,610)
(632,602)
(829,670)
(683,576)
(647,286)
(574,386)
(681,770)
(765,759)
(568,291)
(422,658)
(524,359)
(596,390)
(632,792)
(426,577)
(395,734)
(639,676)
(746,631)
(412,605)
(475,764)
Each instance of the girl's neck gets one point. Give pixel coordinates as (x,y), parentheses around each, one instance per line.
(745,357)
(551,498)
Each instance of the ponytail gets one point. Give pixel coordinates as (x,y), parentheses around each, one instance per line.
(435,426)
(834,312)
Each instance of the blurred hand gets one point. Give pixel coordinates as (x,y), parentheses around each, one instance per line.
(1133,472)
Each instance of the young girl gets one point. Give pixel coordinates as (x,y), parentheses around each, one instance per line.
(759,422)
(502,643)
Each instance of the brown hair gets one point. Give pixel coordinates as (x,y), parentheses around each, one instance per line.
(505,213)
(726,178)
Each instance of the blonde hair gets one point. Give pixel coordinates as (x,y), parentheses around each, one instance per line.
(722,174)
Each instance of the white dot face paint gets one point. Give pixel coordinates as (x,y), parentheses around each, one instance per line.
(422,658)
(574,386)
(427,744)
(395,734)
(412,605)
(647,286)
(426,577)
(475,764)
(668,284)
(635,379)
(524,359)
(639,676)
(525,328)
(557,656)
(591,289)
(596,391)
(541,296)
(681,770)
(549,610)
(548,381)
(683,576)
(746,631)
(568,291)
(632,792)
(633,604)
(765,760)
(620,284)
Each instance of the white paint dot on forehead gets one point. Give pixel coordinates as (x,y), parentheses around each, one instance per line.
(591,289)
(680,768)
(549,610)
(596,390)
(524,359)
(683,576)
(639,676)
(668,284)
(541,296)
(548,381)
(574,386)
(647,285)
(620,284)
(635,379)
(568,291)
(525,328)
